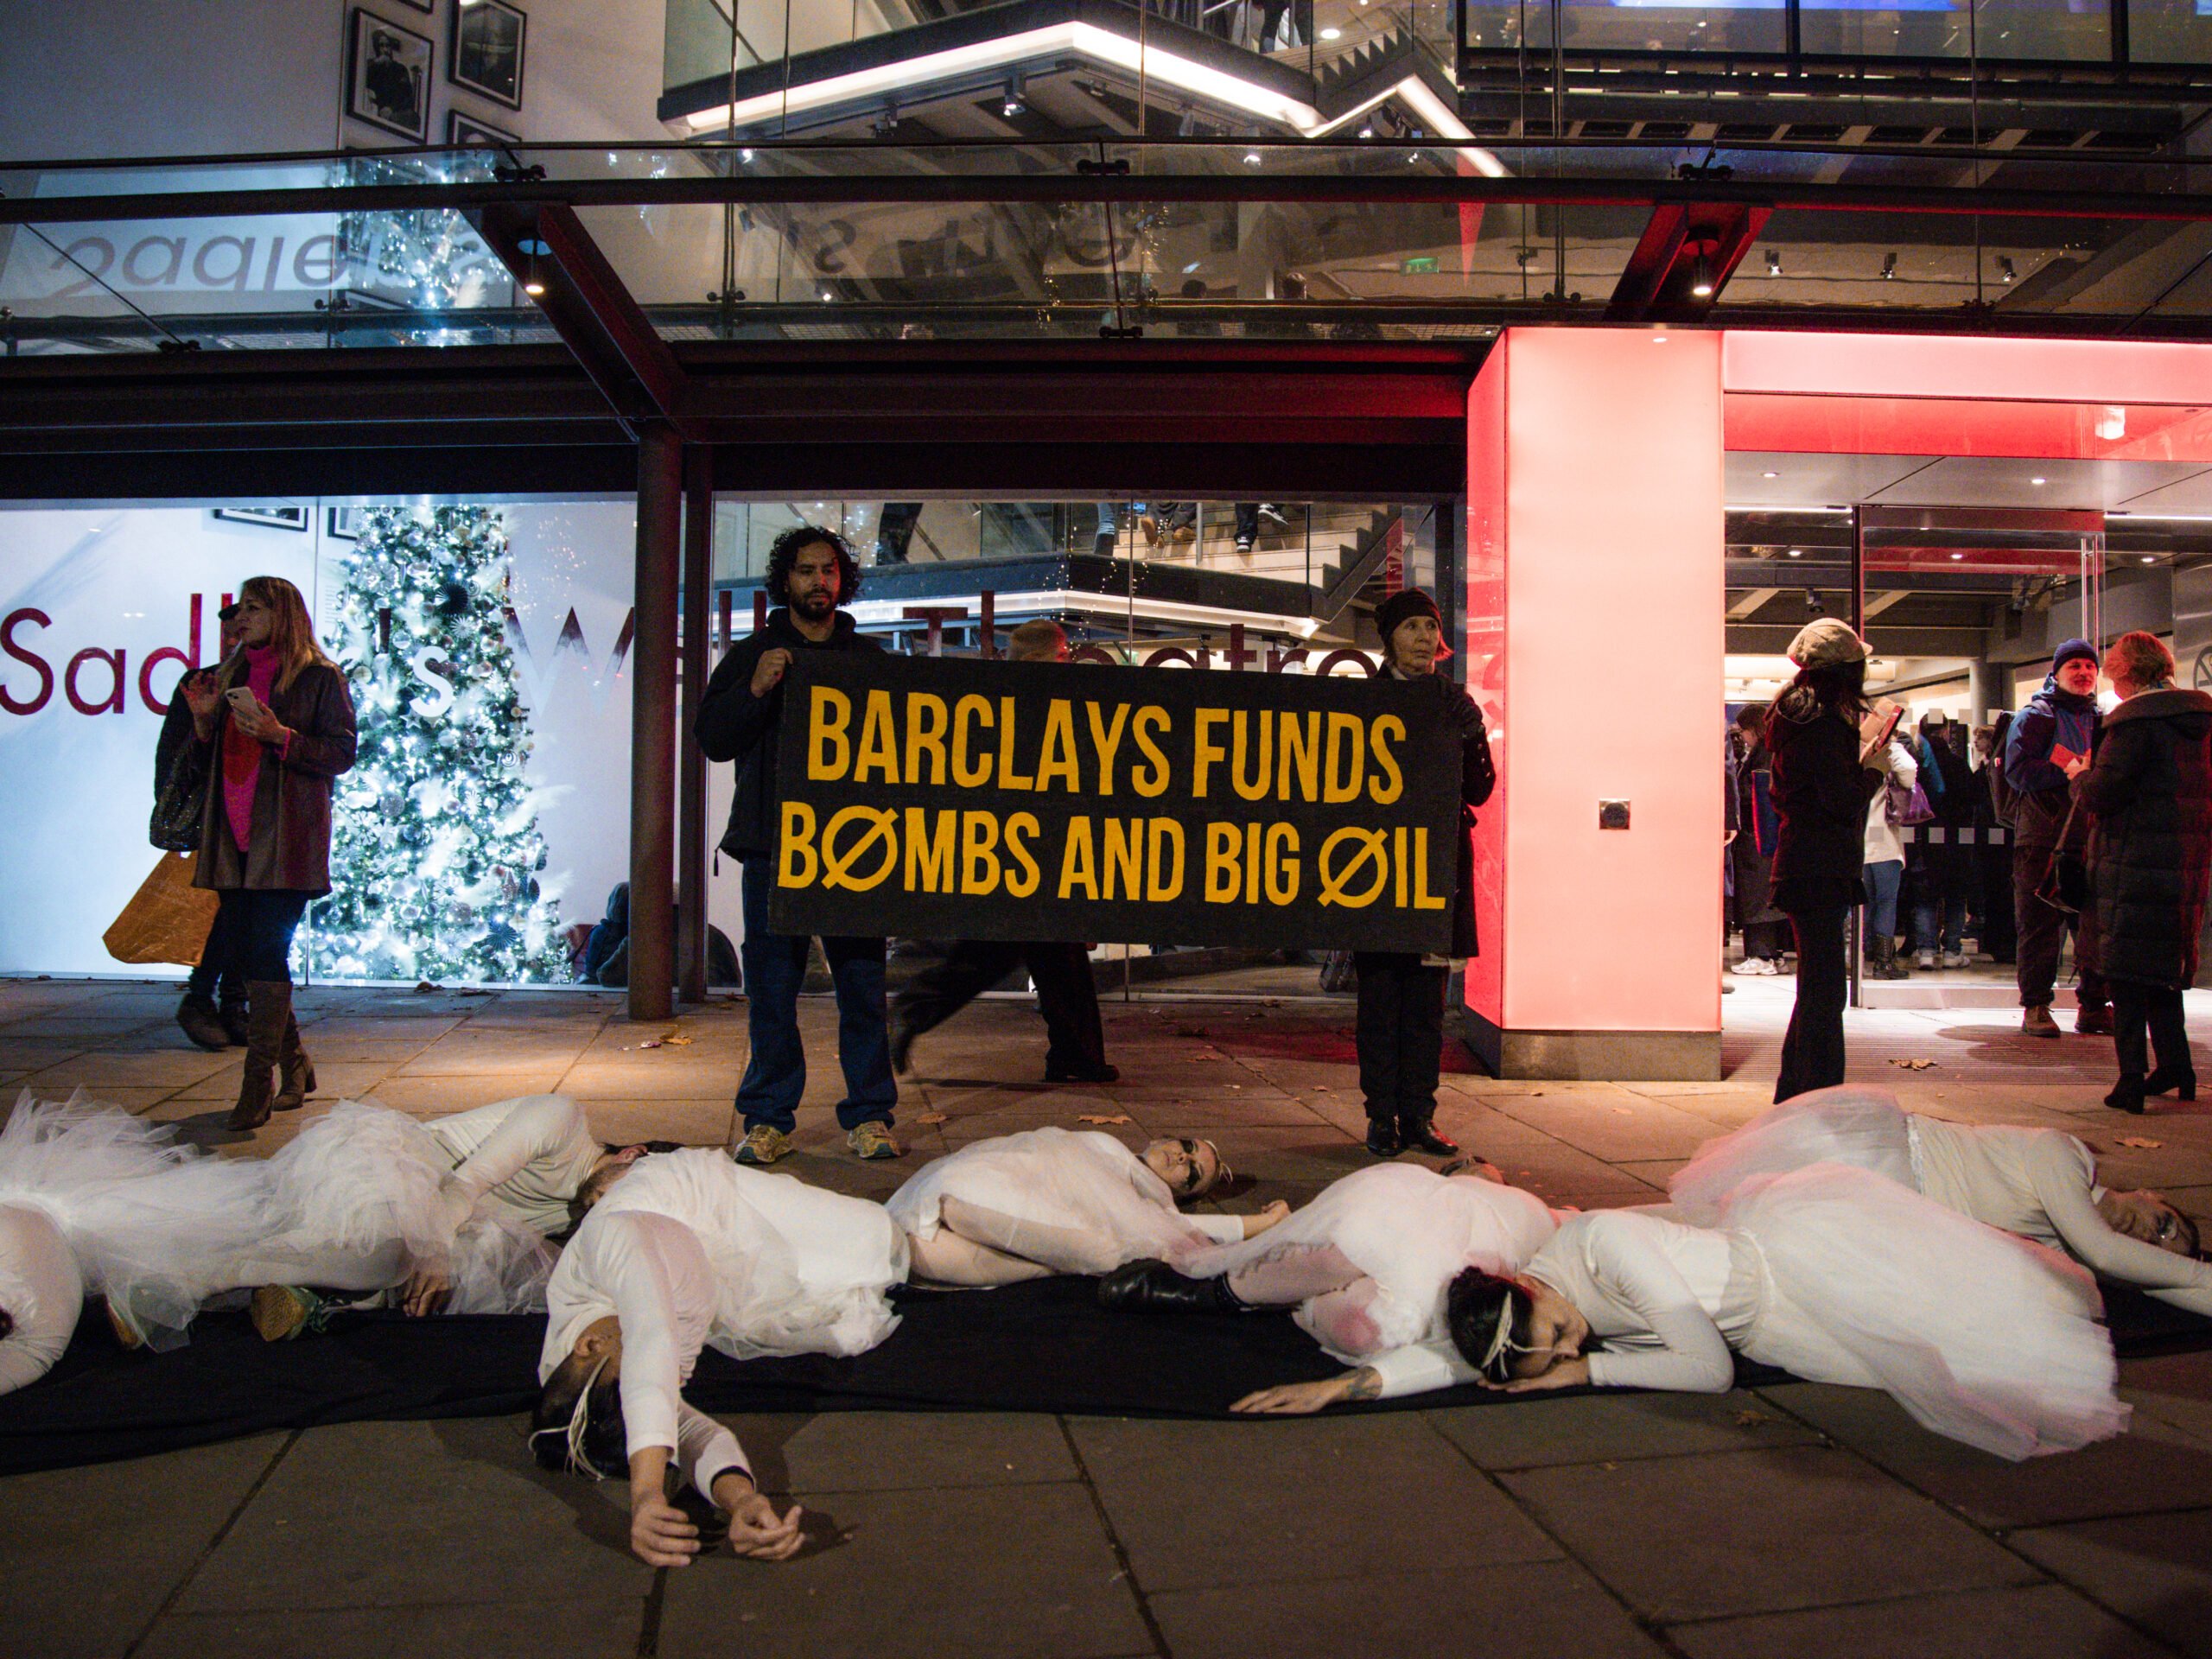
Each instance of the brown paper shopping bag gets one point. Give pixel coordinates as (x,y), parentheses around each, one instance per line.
(167,919)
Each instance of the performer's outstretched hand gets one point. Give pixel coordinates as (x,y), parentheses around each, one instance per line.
(1303,1399)
(661,1534)
(754,1531)
(1268,1216)
(425,1292)
(1568,1374)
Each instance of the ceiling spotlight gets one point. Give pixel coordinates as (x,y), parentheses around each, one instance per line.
(1658,339)
(2150,558)
(1367,131)
(1331,34)
(746,156)
(1958,555)
(1769,474)
(2005,272)
(1774,262)
(1251,158)
(532,284)
(1812,603)
(827,294)
(2039,480)
(1889,266)
(1701,275)
(1797,552)
(1014,103)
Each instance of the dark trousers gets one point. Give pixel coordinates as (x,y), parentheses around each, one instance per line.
(1939,905)
(1812,1053)
(1994,869)
(257,925)
(2136,1005)
(1067,996)
(2041,929)
(775,968)
(1400,1034)
(1765,940)
(217,975)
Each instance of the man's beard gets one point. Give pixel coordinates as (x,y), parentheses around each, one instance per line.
(819,601)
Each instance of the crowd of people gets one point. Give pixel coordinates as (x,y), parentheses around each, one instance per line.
(1836,1236)
(2101,825)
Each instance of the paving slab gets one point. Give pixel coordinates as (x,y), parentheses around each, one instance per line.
(2153,1466)
(90,1555)
(1206,1504)
(1019,1571)
(2037,1621)
(1597,1428)
(459,1514)
(1494,1612)
(608,1628)
(902,1451)
(1746,1532)
(2153,1569)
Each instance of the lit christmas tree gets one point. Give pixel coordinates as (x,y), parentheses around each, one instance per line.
(435,850)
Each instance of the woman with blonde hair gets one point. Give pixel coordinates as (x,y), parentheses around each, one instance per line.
(2150,854)
(279,720)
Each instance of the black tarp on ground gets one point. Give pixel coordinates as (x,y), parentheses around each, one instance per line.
(1042,1346)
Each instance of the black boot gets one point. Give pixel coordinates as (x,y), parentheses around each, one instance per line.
(1419,1135)
(2174,1079)
(1151,1287)
(231,1009)
(197,1017)
(1382,1137)
(2127,1094)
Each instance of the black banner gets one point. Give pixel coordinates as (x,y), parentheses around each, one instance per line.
(924,798)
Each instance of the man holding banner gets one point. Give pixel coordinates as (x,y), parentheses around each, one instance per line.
(811,574)
(1401,1028)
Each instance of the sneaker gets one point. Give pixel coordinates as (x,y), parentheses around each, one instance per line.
(1183,535)
(1243,543)
(2037,1021)
(281,1311)
(1273,515)
(872,1140)
(1925,962)
(1753,965)
(1952,959)
(2095,1021)
(764,1143)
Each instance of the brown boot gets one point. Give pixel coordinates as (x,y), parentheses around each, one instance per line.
(295,1071)
(272,1012)
(2037,1021)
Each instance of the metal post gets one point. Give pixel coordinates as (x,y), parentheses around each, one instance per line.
(1853,920)
(653,725)
(691,763)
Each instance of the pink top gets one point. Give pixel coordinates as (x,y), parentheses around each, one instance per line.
(241,753)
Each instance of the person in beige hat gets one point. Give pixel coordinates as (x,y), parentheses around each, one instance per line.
(1820,733)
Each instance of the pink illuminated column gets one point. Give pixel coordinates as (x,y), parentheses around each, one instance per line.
(1596,568)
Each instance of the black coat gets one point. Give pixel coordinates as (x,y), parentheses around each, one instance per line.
(1478,778)
(735,725)
(2151,788)
(1821,792)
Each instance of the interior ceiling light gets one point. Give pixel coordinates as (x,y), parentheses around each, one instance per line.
(1251,158)
(1701,275)
(532,246)
(2039,480)
(1658,339)
(1797,552)
(2150,558)
(1332,34)
(1773,262)
(1889,266)
(1368,130)
(2005,272)
(1958,555)
(1014,103)
(1769,474)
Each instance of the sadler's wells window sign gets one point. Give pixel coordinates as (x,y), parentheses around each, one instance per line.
(1040,801)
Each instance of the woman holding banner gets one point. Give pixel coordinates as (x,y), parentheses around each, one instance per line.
(1401,1024)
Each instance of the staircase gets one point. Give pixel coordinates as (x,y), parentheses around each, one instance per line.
(1356,565)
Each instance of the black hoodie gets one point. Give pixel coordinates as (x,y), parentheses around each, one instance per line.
(1821,792)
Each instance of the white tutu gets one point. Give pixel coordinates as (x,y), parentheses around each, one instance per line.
(150,1223)
(799,1271)
(361,1177)
(1055,1178)
(1408,1228)
(1851,1123)
(1982,1336)
(499,1266)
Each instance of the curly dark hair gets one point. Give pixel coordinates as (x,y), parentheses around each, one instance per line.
(783,553)
(597,1445)
(1475,1305)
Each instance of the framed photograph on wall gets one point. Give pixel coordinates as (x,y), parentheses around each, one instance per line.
(478,135)
(267,518)
(343,524)
(388,77)
(486,55)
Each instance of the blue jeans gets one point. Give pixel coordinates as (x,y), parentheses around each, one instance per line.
(1946,884)
(1883,880)
(775,968)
